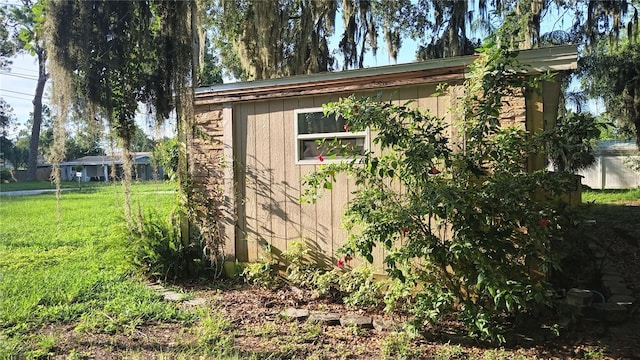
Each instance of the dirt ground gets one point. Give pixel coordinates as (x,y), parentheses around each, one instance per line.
(257,329)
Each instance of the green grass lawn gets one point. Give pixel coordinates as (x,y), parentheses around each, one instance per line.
(40,185)
(77,269)
(44,185)
(610,196)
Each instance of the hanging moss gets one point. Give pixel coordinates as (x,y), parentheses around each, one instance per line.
(110,56)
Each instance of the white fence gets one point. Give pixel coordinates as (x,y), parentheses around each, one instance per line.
(611,170)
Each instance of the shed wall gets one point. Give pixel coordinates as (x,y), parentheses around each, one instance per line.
(269,180)
(259,194)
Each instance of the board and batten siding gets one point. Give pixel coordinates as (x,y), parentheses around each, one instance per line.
(268,178)
(262,213)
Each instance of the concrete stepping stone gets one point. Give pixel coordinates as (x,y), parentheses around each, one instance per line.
(611,312)
(196,302)
(624,300)
(357,320)
(295,314)
(325,318)
(385,325)
(172,296)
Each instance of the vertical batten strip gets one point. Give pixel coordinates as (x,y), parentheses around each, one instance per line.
(229,208)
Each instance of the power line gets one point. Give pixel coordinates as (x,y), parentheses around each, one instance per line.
(21,93)
(21,76)
(15,97)
(16,92)
(22,68)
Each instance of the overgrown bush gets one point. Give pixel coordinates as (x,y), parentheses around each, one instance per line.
(360,287)
(355,287)
(261,273)
(158,250)
(166,156)
(570,143)
(468,232)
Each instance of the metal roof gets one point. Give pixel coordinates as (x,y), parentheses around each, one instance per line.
(556,58)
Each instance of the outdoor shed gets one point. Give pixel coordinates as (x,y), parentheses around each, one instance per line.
(252,142)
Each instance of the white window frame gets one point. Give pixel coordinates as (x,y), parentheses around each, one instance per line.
(319,136)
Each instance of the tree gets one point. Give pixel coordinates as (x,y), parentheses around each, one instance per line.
(112,55)
(9,150)
(7,48)
(611,72)
(6,117)
(6,146)
(448,31)
(166,155)
(141,142)
(266,39)
(27,21)
(461,230)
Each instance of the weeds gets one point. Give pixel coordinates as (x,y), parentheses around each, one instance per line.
(213,334)
(397,345)
(449,352)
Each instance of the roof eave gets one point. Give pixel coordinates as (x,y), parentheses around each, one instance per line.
(554,59)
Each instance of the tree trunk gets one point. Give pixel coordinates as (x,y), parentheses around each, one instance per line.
(32,165)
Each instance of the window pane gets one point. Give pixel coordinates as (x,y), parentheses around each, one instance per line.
(311,149)
(317,123)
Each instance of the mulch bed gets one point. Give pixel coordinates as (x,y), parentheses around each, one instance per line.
(258,329)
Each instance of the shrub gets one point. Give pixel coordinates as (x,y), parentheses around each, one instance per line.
(261,274)
(5,175)
(299,270)
(158,250)
(360,287)
(468,232)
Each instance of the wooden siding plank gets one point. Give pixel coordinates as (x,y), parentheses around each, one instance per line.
(426,100)
(263,170)
(325,226)
(407,94)
(308,213)
(240,166)
(229,204)
(291,183)
(292,173)
(278,179)
(251,197)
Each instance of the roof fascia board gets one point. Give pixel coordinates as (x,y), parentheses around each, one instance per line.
(556,58)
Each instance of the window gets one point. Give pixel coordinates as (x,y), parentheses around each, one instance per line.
(312,127)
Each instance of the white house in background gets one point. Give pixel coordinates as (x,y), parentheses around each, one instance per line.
(611,169)
(98,168)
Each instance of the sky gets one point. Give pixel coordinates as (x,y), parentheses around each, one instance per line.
(18,85)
